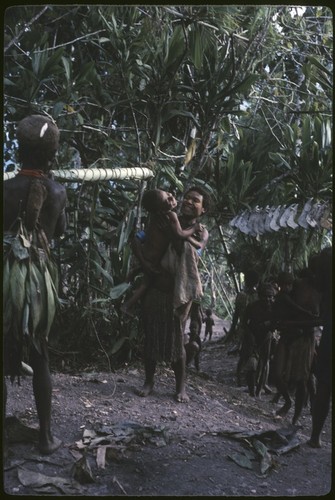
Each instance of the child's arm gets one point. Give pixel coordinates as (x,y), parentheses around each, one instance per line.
(176,228)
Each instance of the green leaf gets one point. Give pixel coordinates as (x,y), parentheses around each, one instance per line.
(313,60)
(119,290)
(244,85)
(103,271)
(279,160)
(176,46)
(52,62)
(51,302)
(67,68)
(196,48)
(241,459)
(118,344)
(104,39)
(19,250)
(125,229)
(18,284)
(169,172)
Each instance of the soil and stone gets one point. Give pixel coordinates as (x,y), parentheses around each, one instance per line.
(222,443)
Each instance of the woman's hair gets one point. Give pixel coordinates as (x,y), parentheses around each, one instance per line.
(38,139)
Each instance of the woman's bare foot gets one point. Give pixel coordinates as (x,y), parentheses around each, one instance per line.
(283,410)
(314,443)
(181,397)
(49,446)
(146,390)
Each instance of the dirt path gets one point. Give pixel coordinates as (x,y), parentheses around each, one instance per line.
(116,443)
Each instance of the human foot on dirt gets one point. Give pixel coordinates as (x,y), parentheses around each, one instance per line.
(296,420)
(314,443)
(283,410)
(181,397)
(146,390)
(49,446)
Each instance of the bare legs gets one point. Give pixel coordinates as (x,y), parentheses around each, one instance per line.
(320,412)
(179,369)
(180,316)
(149,368)
(42,391)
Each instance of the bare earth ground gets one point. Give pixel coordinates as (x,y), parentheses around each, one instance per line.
(117,443)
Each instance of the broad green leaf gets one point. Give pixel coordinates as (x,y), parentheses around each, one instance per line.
(104,273)
(119,290)
(118,344)
(241,459)
(67,68)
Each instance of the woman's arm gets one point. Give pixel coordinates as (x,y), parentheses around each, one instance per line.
(200,243)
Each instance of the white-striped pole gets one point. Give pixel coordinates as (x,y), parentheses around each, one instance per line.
(96,174)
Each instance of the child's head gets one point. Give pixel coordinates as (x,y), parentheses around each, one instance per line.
(209,312)
(157,200)
(38,139)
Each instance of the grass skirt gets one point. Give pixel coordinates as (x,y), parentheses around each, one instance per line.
(294,357)
(163,326)
(30,298)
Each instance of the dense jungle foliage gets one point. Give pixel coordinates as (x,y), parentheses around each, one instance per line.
(237,99)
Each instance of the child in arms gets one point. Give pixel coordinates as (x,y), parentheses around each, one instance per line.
(162,229)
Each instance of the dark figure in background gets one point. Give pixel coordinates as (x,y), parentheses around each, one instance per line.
(193,346)
(196,316)
(209,323)
(257,339)
(243,298)
(246,296)
(323,370)
(34,213)
(193,343)
(164,314)
(296,346)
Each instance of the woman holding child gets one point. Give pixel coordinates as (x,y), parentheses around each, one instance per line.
(168,299)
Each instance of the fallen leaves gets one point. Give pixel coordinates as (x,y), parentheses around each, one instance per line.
(261,445)
(110,443)
(47,484)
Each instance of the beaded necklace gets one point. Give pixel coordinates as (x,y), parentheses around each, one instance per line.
(32,173)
